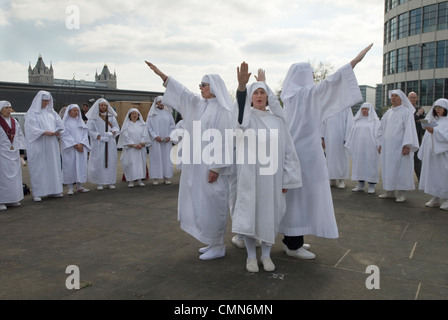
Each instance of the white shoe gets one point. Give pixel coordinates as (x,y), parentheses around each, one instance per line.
(3,207)
(70,192)
(215,252)
(100,188)
(141,184)
(167,182)
(358,188)
(58,195)
(82,190)
(252,265)
(301,253)
(433,203)
(401,197)
(155,183)
(15,204)
(371,189)
(204,249)
(444,205)
(341,184)
(37,199)
(387,195)
(306,246)
(267,264)
(238,242)
(111,187)
(131,184)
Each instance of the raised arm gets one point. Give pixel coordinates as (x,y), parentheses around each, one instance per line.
(157,71)
(243,76)
(360,56)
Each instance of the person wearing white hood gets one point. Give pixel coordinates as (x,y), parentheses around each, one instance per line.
(43,127)
(103,130)
(160,123)
(12,141)
(260,200)
(434,155)
(361,144)
(134,138)
(309,210)
(203,204)
(397,141)
(75,147)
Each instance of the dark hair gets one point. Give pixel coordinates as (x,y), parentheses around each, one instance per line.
(434,113)
(129,116)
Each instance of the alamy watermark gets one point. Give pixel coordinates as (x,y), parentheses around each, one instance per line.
(73,282)
(73,21)
(373,281)
(212,148)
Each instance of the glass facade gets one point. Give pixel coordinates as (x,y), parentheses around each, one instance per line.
(419,63)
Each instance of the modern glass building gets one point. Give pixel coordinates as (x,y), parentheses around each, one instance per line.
(416,49)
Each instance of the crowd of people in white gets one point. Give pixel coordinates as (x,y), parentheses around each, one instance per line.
(317,138)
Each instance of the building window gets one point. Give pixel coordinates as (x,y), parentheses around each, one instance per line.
(442,54)
(385,65)
(414,58)
(443,16)
(402,60)
(412,86)
(393,29)
(403,23)
(386,33)
(439,88)
(415,22)
(430,18)
(392,62)
(428,55)
(427,92)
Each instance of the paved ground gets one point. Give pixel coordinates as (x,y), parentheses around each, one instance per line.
(128,245)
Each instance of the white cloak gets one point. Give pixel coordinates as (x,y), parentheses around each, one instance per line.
(309,210)
(335,131)
(361,144)
(260,203)
(11,187)
(74,163)
(133,161)
(397,129)
(43,152)
(97,171)
(434,156)
(161,124)
(203,207)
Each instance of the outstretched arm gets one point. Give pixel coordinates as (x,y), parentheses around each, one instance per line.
(157,71)
(360,56)
(243,76)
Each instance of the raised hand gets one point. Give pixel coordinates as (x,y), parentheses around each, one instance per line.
(243,76)
(156,70)
(261,75)
(361,56)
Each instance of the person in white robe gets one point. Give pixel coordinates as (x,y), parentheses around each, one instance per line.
(260,203)
(102,166)
(361,144)
(335,131)
(133,140)
(397,141)
(434,155)
(43,127)
(309,210)
(75,147)
(12,141)
(160,122)
(203,204)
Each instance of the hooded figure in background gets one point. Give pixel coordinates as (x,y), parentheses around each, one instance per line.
(103,130)
(75,147)
(361,144)
(134,138)
(160,124)
(43,127)
(11,141)
(397,141)
(434,155)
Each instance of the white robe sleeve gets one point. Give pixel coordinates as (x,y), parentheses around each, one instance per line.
(440,139)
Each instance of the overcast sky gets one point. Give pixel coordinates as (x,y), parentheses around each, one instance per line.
(188,38)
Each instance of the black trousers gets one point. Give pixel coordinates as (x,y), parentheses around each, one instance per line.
(293,243)
(417,166)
